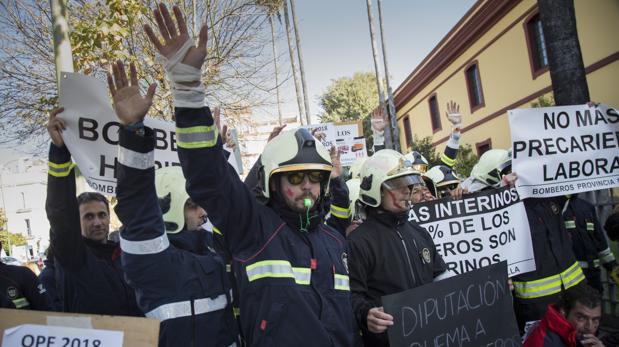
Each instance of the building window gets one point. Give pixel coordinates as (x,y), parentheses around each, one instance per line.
(435,114)
(536,44)
(483,147)
(407,132)
(473,83)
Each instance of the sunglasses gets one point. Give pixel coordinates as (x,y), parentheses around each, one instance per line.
(297,177)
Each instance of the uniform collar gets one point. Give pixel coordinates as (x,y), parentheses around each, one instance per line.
(388,218)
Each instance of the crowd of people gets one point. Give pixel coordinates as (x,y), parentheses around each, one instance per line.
(301,252)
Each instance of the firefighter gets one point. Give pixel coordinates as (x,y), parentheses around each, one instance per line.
(556,267)
(388,253)
(588,241)
(443,180)
(290,266)
(88,275)
(177,279)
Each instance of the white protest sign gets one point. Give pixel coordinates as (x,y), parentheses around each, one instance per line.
(32,335)
(351,149)
(478,230)
(565,149)
(91,133)
(345,136)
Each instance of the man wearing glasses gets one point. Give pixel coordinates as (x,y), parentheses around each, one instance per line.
(290,267)
(388,253)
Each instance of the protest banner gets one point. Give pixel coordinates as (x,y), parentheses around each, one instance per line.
(473,309)
(26,328)
(565,149)
(478,230)
(91,133)
(346,137)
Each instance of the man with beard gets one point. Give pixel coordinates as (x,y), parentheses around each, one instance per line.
(388,253)
(289,265)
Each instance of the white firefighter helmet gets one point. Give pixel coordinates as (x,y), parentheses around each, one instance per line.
(293,150)
(442,177)
(353,193)
(490,167)
(386,167)
(355,168)
(418,161)
(170,186)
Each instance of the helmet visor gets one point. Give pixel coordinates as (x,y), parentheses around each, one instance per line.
(403,181)
(420,167)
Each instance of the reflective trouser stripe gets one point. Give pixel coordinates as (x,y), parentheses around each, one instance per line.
(551,284)
(570,224)
(183,308)
(340,212)
(341,282)
(21,303)
(447,160)
(606,256)
(136,160)
(278,269)
(60,170)
(590,226)
(152,246)
(236,311)
(197,137)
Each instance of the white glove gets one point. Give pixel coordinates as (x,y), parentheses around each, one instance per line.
(455,119)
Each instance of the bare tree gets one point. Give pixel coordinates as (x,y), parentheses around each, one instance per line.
(238,73)
(291,49)
(379,79)
(297,37)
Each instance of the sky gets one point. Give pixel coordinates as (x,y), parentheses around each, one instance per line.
(335,43)
(335,39)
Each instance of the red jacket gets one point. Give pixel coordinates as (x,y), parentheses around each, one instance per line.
(552,331)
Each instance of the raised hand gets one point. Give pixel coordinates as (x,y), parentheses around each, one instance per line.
(55,126)
(175,37)
(453,114)
(335,161)
(129,104)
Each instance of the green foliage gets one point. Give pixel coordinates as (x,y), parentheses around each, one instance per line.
(465,160)
(351,98)
(543,101)
(7,238)
(424,146)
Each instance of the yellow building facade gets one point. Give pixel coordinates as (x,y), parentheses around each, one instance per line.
(493,60)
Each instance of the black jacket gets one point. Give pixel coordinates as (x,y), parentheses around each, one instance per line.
(293,285)
(21,289)
(88,275)
(388,255)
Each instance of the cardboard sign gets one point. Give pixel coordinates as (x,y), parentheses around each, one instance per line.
(474,309)
(32,335)
(481,229)
(39,328)
(565,149)
(346,137)
(91,133)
